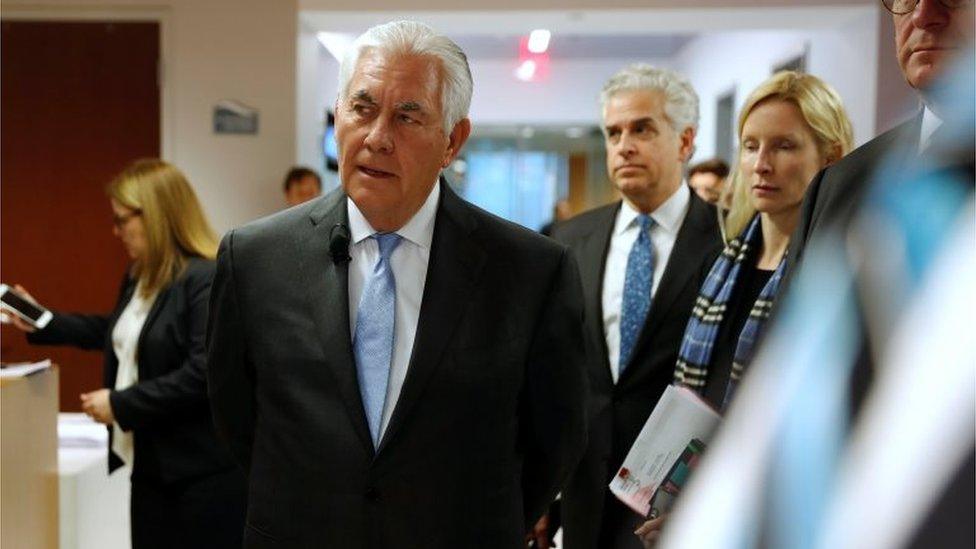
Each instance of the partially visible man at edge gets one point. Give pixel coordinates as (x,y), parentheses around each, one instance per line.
(928,35)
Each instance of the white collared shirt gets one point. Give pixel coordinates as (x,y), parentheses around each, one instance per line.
(668,218)
(409,263)
(125,342)
(930,123)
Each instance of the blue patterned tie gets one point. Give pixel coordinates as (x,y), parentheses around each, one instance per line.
(637,291)
(373,341)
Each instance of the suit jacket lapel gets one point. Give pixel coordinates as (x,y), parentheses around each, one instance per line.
(900,143)
(908,133)
(698,234)
(592,263)
(154,311)
(454,268)
(327,285)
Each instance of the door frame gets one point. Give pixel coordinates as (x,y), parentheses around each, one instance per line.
(129,14)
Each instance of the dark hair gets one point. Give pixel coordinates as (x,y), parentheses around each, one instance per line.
(297,174)
(716,166)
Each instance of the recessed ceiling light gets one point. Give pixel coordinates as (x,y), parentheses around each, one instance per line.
(539,40)
(526,71)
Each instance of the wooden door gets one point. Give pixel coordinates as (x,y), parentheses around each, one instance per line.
(80,100)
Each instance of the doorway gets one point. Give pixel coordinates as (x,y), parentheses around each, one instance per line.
(80,100)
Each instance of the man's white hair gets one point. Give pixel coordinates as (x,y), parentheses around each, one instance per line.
(413,38)
(680,99)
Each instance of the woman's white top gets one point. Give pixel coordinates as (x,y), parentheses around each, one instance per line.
(125,339)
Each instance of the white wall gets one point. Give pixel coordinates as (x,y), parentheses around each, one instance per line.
(842,46)
(575,5)
(845,57)
(317,75)
(213,50)
(568,96)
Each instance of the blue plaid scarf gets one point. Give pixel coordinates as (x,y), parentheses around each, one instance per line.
(695,354)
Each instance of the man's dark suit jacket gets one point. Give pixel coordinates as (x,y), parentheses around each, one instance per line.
(168,409)
(491,417)
(618,411)
(837,192)
(832,201)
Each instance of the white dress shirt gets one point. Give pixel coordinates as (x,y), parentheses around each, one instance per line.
(125,340)
(668,218)
(409,264)
(930,123)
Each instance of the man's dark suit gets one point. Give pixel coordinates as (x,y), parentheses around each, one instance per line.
(836,193)
(833,199)
(491,417)
(618,411)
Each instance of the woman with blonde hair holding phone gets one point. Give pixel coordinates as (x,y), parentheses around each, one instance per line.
(186,489)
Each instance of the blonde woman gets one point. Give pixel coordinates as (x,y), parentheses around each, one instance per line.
(186,490)
(791,126)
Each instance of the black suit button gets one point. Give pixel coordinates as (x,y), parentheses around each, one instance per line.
(372,494)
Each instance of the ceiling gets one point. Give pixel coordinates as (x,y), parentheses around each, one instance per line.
(601,22)
(575,46)
(404,5)
(646,33)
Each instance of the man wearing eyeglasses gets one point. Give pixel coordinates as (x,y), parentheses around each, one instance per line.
(928,36)
(801,476)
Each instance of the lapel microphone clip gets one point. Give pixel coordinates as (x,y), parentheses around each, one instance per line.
(339,238)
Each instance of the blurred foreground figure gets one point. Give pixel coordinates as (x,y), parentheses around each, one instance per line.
(791,468)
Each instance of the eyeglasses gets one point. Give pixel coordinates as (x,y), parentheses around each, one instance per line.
(120,220)
(902,7)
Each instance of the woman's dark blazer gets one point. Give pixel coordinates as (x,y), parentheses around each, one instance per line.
(167,409)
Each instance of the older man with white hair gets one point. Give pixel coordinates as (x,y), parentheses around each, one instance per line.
(392,366)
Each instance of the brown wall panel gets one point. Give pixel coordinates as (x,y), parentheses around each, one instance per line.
(79,101)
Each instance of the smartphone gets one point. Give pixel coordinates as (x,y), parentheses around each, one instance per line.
(19,305)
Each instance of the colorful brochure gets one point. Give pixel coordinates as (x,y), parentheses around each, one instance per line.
(666,451)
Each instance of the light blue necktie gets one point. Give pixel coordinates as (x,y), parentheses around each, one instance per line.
(637,291)
(373,341)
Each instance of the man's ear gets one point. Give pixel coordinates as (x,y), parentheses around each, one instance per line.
(457,139)
(687,144)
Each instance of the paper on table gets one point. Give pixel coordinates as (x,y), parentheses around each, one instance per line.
(80,431)
(679,417)
(23,369)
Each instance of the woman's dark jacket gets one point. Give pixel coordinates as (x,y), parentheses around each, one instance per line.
(167,409)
